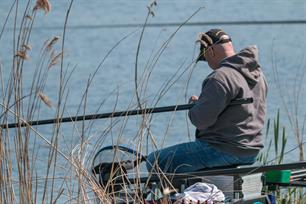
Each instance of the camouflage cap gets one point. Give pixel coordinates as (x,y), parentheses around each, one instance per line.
(211,37)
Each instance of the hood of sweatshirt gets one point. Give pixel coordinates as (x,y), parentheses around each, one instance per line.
(245,62)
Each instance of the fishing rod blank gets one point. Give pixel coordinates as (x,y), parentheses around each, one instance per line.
(176,24)
(116,114)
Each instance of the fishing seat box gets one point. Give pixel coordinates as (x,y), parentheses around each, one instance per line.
(237,188)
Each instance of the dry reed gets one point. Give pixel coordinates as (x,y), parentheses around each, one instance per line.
(44,5)
(45,99)
(20,164)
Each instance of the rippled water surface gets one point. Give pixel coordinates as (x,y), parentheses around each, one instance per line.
(91,34)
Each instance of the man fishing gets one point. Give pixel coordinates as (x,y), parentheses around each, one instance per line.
(226,135)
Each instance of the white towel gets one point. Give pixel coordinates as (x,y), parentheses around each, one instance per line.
(203,192)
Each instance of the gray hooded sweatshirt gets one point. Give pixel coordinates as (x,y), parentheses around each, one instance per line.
(232,129)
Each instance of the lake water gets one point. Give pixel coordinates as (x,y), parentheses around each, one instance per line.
(89,38)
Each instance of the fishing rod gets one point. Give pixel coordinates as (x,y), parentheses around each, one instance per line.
(176,24)
(116,114)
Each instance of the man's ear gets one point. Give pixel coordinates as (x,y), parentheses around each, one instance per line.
(210,52)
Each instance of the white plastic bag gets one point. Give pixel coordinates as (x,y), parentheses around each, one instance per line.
(200,192)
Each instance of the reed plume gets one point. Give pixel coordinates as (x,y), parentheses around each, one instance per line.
(43,5)
(52,42)
(54,59)
(22,54)
(44,98)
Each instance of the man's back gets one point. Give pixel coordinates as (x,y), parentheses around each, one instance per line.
(232,129)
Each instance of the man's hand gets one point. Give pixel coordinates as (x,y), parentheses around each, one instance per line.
(193,99)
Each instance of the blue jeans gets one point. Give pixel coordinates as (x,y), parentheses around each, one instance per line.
(193,156)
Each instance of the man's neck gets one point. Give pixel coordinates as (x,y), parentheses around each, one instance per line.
(226,55)
(229,53)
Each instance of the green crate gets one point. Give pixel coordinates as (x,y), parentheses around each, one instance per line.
(278,176)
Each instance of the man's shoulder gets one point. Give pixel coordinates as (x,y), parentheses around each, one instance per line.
(225,73)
